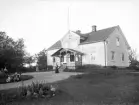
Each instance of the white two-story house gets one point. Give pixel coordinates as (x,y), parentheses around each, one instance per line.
(106,47)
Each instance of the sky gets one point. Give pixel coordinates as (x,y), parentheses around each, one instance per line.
(43,22)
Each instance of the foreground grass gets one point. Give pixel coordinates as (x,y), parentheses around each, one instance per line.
(93,88)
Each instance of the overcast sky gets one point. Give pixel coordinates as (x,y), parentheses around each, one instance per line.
(42,22)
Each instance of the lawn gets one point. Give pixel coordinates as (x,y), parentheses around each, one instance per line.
(107,87)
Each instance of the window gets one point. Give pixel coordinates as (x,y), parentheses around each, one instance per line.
(76,58)
(117,41)
(107,42)
(54,59)
(70,36)
(62,59)
(71,58)
(92,57)
(112,57)
(122,56)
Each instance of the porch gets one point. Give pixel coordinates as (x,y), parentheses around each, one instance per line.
(67,58)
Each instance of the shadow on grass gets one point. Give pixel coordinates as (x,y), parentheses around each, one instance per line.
(23,78)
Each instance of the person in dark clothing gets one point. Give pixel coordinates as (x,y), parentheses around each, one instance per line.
(56,70)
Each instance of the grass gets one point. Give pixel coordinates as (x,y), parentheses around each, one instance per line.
(107,87)
(23,78)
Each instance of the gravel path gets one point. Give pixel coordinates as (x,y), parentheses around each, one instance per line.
(47,77)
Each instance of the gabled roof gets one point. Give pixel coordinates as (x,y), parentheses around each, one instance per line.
(92,37)
(57,45)
(99,35)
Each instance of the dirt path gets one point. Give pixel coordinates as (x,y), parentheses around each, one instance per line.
(46,77)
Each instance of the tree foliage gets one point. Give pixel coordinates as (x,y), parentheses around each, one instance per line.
(42,59)
(28,59)
(134,63)
(11,52)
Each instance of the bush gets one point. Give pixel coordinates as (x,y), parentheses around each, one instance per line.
(134,64)
(85,68)
(2,74)
(35,90)
(14,78)
(92,66)
(79,76)
(113,67)
(27,69)
(49,67)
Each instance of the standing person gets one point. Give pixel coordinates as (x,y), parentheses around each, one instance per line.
(57,71)
(5,70)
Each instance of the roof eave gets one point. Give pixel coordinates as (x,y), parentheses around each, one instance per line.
(91,42)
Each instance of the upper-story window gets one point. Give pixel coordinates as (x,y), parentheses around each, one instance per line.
(118,41)
(107,42)
(112,56)
(70,36)
(122,56)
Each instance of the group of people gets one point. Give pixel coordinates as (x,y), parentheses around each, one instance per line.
(4,70)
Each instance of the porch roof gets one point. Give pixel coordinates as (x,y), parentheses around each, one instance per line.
(66,49)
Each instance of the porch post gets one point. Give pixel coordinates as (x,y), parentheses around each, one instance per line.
(74,60)
(66,58)
(60,58)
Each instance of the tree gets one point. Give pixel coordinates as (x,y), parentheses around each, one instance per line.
(11,52)
(134,63)
(42,59)
(29,59)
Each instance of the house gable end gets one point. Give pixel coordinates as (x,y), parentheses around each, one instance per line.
(116,47)
(70,40)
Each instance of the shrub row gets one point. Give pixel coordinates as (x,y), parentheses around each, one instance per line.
(35,90)
(93,68)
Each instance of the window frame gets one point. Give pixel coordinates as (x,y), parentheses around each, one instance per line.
(54,60)
(72,59)
(117,41)
(62,59)
(112,55)
(123,57)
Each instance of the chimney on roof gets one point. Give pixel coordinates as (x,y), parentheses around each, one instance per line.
(94,28)
(78,32)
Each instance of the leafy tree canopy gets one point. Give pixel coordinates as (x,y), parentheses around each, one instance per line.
(11,52)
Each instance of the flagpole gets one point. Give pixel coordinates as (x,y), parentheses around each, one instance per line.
(68,18)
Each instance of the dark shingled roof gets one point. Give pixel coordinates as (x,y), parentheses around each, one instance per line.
(92,37)
(99,35)
(57,45)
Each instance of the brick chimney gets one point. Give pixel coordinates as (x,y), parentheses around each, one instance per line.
(94,28)
(78,32)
